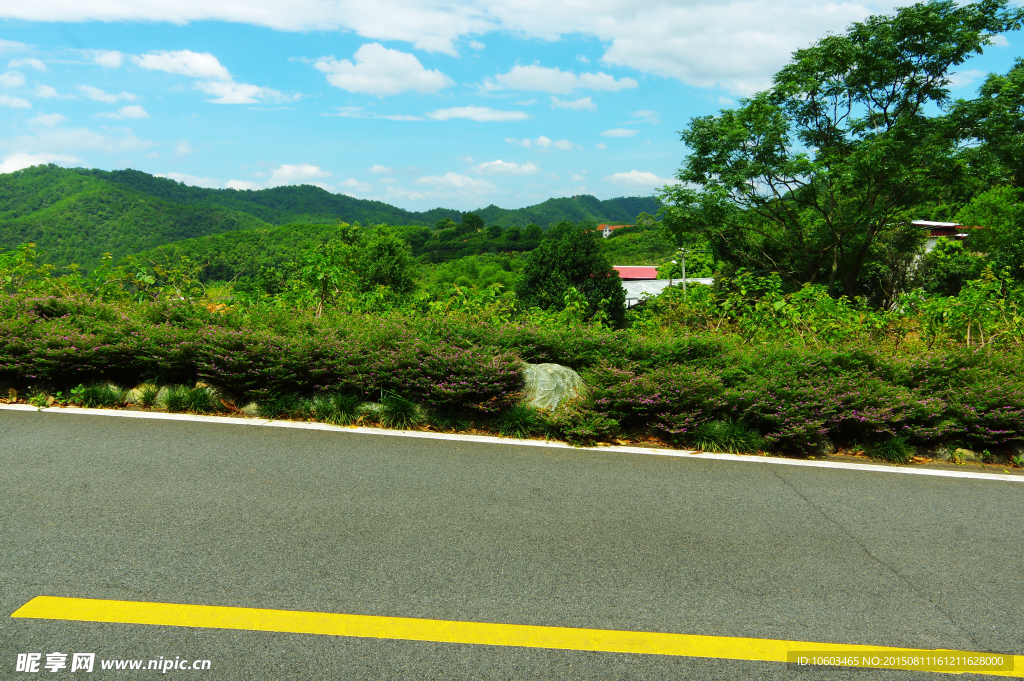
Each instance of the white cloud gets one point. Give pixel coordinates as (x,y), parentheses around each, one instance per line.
(243,184)
(12,79)
(733,44)
(1000,41)
(301,173)
(63,140)
(183,148)
(602,145)
(582,58)
(46,92)
(526,102)
(480,114)
(542,142)
(14,102)
(646,117)
(500,167)
(230,92)
(184,63)
(20,161)
(47,120)
(575,104)
(99,95)
(37,64)
(456,181)
(476,45)
(361,112)
(555,80)
(620,132)
(133,111)
(377,168)
(381,71)
(578,178)
(639,179)
(193,180)
(215,79)
(110,59)
(965,77)
(290,174)
(355,185)
(11,45)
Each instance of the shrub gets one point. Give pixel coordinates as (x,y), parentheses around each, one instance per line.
(674,399)
(579,423)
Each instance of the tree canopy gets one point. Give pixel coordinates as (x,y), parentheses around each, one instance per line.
(572,261)
(817,178)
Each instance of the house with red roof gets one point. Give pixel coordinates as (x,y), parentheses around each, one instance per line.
(636,272)
(606,230)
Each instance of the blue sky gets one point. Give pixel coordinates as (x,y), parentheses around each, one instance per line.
(419,103)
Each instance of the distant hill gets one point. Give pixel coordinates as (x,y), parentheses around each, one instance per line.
(309,204)
(576,208)
(76,218)
(76,215)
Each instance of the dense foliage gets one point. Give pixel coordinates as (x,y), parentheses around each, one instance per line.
(77,215)
(818,178)
(827,325)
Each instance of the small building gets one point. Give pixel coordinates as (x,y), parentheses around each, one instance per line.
(606,230)
(940,230)
(636,272)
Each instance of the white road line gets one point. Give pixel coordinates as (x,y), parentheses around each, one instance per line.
(489,439)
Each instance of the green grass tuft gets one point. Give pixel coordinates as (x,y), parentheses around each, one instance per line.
(340,409)
(102,395)
(148,393)
(181,398)
(398,412)
(727,436)
(895,450)
(279,406)
(447,420)
(520,421)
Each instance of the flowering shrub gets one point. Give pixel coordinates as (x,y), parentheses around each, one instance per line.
(674,384)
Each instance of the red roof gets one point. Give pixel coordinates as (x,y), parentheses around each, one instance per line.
(630,272)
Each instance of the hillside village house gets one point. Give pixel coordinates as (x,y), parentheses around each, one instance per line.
(938,230)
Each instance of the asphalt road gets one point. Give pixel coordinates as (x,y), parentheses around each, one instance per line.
(183,512)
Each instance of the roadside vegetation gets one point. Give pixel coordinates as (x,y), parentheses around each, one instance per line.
(828,326)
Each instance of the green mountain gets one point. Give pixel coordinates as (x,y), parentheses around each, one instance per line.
(76,215)
(76,218)
(613,211)
(309,204)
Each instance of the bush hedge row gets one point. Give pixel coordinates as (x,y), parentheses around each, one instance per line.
(795,397)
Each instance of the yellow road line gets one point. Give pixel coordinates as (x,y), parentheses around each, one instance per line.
(478,633)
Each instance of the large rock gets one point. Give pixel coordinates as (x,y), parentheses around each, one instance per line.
(547,385)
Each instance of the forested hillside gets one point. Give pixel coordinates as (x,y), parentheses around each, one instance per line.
(76,218)
(75,215)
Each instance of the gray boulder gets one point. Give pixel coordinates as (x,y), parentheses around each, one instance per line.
(547,385)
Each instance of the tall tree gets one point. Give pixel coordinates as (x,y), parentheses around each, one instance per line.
(817,176)
(995,121)
(574,260)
